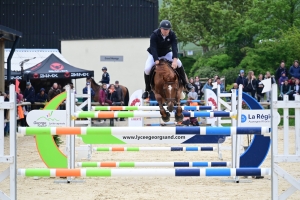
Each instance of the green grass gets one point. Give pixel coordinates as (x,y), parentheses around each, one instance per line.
(291,113)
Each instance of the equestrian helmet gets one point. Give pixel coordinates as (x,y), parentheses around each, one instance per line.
(165,24)
(104,68)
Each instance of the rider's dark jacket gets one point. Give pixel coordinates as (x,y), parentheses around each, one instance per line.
(160,46)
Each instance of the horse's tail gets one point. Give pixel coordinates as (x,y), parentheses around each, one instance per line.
(126,98)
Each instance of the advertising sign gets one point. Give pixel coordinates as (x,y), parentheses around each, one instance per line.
(136,100)
(47,118)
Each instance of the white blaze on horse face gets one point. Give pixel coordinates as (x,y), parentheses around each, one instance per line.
(170,87)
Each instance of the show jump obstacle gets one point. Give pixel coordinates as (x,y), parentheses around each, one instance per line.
(44,137)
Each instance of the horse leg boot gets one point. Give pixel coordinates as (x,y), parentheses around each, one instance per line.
(178,114)
(185,82)
(148,87)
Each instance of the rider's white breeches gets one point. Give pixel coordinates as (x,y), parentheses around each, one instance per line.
(150,62)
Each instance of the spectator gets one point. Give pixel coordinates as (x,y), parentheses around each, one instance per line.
(295,70)
(19,98)
(105,76)
(251,84)
(282,79)
(222,89)
(42,96)
(72,87)
(279,71)
(120,96)
(119,92)
(85,91)
(29,93)
(241,80)
(193,84)
(267,76)
(112,95)
(235,86)
(292,82)
(53,92)
(103,96)
(208,85)
(215,78)
(259,88)
(285,89)
(192,95)
(296,89)
(198,87)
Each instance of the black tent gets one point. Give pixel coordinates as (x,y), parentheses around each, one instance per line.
(14,75)
(53,67)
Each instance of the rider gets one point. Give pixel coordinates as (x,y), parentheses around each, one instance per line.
(161,40)
(105,76)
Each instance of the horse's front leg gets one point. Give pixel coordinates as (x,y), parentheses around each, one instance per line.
(178,115)
(165,116)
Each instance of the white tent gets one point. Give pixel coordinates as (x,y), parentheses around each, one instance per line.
(35,56)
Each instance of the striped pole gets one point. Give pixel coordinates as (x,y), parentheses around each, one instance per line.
(149,108)
(161,124)
(129,114)
(144,172)
(181,101)
(153,164)
(135,149)
(144,132)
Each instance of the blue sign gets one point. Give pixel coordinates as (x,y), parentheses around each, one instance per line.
(243,118)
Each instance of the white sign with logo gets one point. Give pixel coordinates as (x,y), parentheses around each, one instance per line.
(257,118)
(47,118)
(136,100)
(210,99)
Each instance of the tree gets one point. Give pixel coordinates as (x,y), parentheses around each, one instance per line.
(203,22)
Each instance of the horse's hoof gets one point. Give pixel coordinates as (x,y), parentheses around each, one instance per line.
(179,118)
(167,118)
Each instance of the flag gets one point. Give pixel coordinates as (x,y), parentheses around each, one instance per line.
(17,86)
(267,85)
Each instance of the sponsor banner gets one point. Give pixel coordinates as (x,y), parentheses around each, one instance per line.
(210,99)
(136,100)
(257,118)
(13,77)
(47,118)
(60,74)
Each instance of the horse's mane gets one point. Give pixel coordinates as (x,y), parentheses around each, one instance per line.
(163,67)
(94,82)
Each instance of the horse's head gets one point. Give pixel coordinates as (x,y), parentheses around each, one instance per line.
(167,84)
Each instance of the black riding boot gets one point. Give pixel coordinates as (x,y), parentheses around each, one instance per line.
(182,75)
(148,87)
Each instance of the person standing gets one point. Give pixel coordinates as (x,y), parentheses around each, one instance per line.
(198,87)
(103,96)
(41,96)
(162,40)
(29,93)
(251,84)
(279,71)
(241,80)
(120,95)
(295,70)
(85,91)
(259,88)
(53,92)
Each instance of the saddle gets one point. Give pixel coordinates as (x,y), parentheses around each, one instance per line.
(152,74)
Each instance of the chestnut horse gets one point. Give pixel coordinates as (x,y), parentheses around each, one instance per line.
(97,88)
(167,89)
